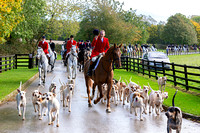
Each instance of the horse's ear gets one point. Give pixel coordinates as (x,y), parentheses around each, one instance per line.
(120,45)
(114,45)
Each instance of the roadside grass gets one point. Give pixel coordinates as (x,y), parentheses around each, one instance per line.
(58,56)
(187,102)
(10,80)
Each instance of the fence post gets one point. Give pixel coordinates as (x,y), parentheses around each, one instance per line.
(174,74)
(0,65)
(142,66)
(10,63)
(163,68)
(126,63)
(138,65)
(16,61)
(154,63)
(133,64)
(186,77)
(5,64)
(30,64)
(149,69)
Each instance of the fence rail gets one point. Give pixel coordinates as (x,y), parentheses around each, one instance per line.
(6,62)
(187,76)
(9,62)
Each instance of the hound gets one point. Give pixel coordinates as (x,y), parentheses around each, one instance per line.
(52,87)
(35,97)
(161,83)
(43,102)
(146,97)
(53,106)
(21,101)
(155,100)
(136,101)
(114,94)
(126,95)
(67,95)
(174,116)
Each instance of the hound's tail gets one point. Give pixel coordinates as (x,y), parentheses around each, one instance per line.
(126,81)
(119,79)
(150,87)
(20,86)
(130,79)
(53,79)
(174,98)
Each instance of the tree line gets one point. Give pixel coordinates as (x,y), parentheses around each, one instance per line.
(23,22)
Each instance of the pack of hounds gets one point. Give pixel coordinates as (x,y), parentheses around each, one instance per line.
(130,93)
(47,103)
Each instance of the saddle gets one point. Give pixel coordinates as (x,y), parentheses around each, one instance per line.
(96,62)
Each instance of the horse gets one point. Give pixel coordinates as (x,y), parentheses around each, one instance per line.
(72,63)
(52,58)
(102,74)
(42,64)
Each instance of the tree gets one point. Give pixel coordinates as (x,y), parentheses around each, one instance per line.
(106,15)
(179,30)
(197,29)
(10,17)
(153,34)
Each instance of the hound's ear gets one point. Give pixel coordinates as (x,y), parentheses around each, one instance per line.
(54,94)
(33,94)
(18,90)
(134,96)
(163,77)
(40,93)
(114,45)
(142,96)
(120,45)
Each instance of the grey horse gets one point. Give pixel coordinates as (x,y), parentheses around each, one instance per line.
(42,64)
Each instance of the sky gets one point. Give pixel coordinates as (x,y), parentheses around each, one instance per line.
(161,10)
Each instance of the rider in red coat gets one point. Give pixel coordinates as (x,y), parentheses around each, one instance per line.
(70,43)
(44,45)
(101,46)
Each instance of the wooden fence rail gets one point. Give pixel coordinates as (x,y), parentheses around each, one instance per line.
(18,60)
(6,62)
(173,71)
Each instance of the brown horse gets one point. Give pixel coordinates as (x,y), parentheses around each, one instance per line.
(103,74)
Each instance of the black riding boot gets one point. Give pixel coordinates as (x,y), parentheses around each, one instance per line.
(67,59)
(89,73)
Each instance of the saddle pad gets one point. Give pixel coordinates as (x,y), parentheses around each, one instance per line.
(98,60)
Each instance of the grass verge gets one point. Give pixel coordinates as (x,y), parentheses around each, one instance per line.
(10,80)
(187,102)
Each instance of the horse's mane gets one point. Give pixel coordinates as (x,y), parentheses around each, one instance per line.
(110,50)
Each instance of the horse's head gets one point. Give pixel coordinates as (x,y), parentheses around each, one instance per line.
(73,49)
(39,52)
(117,55)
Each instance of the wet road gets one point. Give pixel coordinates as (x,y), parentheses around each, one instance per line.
(83,119)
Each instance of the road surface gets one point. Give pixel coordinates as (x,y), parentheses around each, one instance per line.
(83,119)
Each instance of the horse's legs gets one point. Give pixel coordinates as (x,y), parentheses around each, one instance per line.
(93,91)
(45,73)
(101,94)
(39,69)
(88,92)
(108,110)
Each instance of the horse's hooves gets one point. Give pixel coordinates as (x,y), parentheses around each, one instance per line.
(89,105)
(108,110)
(95,102)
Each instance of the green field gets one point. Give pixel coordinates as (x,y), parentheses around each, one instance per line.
(187,102)
(10,80)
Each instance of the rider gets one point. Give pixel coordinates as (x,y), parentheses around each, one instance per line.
(101,46)
(88,45)
(69,45)
(52,45)
(81,46)
(44,45)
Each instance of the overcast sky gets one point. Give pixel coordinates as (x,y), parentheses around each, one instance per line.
(161,10)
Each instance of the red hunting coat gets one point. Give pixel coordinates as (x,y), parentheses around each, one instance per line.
(99,46)
(44,46)
(69,45)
